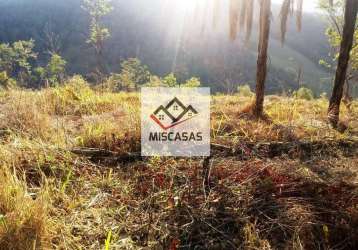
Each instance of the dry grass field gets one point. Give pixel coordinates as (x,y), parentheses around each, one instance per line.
(71,176)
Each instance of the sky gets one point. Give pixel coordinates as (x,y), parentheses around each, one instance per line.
(308,5)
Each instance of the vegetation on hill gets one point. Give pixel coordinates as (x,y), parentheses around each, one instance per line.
(71,176)
(137,30)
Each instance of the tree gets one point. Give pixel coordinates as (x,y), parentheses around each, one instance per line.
(15,59)
(134,71)
(261,71)
(241,15)
(97,10)
(55,69)
(39,75)
(350,16)
(335,16)
(52,74)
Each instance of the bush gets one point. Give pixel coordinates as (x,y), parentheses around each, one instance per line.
(193,82)
(111,84)
(154,81)
(6,82)
(245,91)
(74,97)
(170,80)
(304,93)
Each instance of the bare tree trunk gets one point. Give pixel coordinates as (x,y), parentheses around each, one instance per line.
(350,16)
(265,19)
(299,76)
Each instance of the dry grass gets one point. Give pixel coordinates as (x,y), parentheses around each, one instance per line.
(23,218)
(53,199)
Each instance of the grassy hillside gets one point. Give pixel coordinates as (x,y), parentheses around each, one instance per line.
(71,176)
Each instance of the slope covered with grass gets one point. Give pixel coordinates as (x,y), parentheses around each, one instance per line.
(71,177)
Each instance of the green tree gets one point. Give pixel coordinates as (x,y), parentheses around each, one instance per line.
(126,81)
(350,18)
(55,69)
(335,16)
(7,58)
(134,73)
(15,59)
(97,10)
(39,75)
(334,32)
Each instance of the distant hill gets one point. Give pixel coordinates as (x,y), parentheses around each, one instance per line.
(168,41)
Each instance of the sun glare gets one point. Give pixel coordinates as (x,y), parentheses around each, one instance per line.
(188,5)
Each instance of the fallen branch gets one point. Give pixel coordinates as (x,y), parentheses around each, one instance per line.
(244,151)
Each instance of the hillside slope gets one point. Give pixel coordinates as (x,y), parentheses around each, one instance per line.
(168,40)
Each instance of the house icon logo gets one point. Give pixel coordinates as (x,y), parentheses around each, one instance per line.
(173,114)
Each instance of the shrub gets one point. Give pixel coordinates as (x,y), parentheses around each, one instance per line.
(170,80)
(245,91)
(154,81)
(6,82)
(193,82)
(74,97)
(111,84)
(304,93)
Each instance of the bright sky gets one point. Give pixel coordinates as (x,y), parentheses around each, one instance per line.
(308,5)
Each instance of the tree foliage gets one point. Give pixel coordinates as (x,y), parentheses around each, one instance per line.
(133,71)
(97,10)
(193,82)
(346,45)
(15,58)
(245,90)
(132,75)
(304,93)
(170,80)
(5,81)
(335,13)
(55,69)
